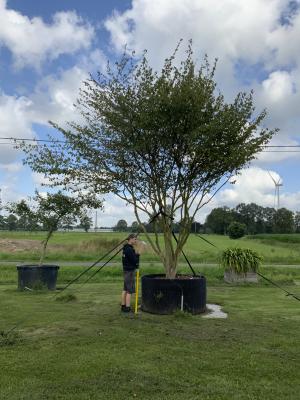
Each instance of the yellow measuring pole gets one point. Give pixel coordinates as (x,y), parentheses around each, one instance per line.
(137,291)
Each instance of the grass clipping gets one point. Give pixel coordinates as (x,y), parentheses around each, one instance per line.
(9,338)
(66,298)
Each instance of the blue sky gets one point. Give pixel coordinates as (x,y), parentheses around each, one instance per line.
(48,48)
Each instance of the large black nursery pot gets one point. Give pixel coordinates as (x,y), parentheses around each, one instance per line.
(37,276)
(164,296)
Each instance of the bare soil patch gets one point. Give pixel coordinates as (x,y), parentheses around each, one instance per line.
(18,245)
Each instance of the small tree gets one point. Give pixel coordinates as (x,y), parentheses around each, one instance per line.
(236,230)
(159,141)
(52,210)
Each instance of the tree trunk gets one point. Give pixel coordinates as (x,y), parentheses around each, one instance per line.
(45,242)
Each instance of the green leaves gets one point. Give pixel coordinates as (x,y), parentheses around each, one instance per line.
(240,260)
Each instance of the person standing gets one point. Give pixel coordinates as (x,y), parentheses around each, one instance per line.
(130,261)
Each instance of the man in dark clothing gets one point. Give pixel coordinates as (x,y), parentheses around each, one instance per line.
(130,260)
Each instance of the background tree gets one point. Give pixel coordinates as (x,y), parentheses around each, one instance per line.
(268,217)
(121,226)
(85,222)
(283,221)
(155,140)
(52,210)
(236,230)
(251,215)
(135,227)
(297,221)
(196,227)
(2,222)
(26,223)
(67,223)
(11,222)
(219,220)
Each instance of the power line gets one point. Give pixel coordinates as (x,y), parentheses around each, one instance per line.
(32,140)
(64,141)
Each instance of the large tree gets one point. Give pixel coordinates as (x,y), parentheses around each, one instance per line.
(160,141)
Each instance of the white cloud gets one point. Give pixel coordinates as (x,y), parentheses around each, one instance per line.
(114,210)
(39,179)
(278,86)
(254,185)
(219,28)
(14,122)
(32,41)
(237,32)
(12,167)
(54,97)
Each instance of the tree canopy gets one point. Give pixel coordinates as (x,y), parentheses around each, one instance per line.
(158,140)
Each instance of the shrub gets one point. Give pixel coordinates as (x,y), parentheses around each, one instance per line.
(236,230)
(240,260)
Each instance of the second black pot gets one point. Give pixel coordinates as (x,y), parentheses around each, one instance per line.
(37,276)
(164,296)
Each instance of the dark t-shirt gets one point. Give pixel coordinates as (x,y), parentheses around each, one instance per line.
(130,258)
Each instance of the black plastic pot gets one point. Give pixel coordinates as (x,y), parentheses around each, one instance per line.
(37,276)
(164,296)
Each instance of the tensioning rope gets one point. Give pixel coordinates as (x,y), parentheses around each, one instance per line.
(20,322)
(258,273)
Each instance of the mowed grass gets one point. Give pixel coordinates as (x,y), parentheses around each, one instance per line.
(78,345)
(75,246)
(82,347)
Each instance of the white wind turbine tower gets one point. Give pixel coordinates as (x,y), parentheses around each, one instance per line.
(277,186)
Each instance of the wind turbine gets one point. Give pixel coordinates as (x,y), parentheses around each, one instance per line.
(277,186)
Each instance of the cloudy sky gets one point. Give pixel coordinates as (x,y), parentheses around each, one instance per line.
(48,48)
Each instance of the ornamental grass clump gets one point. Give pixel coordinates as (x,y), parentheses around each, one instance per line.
(240,260)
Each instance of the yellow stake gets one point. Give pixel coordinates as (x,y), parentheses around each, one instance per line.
(137,291)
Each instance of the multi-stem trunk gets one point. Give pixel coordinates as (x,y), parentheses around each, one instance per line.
(170,259)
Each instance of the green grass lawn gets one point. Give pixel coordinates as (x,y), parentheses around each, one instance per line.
(74,246)
(86,349)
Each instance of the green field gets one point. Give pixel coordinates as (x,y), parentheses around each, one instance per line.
(86,349)
(276,249)
(82,348)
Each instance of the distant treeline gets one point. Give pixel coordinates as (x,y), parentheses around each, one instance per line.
(12,223)
(255,218)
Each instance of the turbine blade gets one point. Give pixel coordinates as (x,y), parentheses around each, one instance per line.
(272,177)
